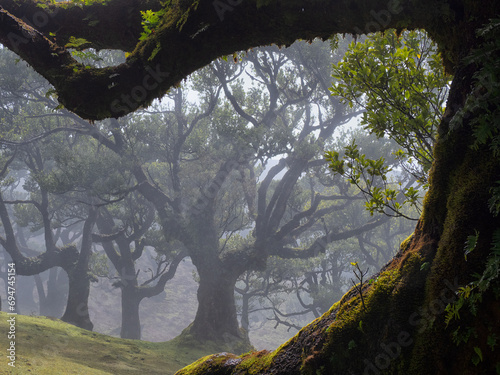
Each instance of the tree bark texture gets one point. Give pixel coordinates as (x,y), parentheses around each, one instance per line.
(216,315)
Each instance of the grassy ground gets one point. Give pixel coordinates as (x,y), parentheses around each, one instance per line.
(47,346)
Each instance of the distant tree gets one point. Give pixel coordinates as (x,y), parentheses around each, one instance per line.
(198,166)
(307,288)
(123,233)
(283,104)
(54,182)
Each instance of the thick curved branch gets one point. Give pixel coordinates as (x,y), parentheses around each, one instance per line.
(164,278)
(186,40)
(28,266)
(295,221)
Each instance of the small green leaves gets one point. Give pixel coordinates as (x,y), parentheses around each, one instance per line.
(336,164)
(470,244)
(351,345)
(371,176)
(479,358)
(453,311)
(150,22)
(425,266)
(492,341)
(494,201)
(400,83)
(77,43)
(483,106)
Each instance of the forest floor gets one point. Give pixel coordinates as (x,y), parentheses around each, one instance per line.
(46,346)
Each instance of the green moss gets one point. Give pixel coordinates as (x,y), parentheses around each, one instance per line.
(412,264)
(249,363)
(350,335)
(47,346)
(406,243)
(214,364)
(256,363)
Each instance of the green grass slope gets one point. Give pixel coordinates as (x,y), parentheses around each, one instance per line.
(50,346)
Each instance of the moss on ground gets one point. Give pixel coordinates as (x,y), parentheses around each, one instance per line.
(47,346)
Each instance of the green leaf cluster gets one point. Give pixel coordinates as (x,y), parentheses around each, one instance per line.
(400,84)
(372,177)
(77,43)
(150,22)
(471,295)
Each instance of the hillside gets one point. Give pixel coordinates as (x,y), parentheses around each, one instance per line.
(50,346)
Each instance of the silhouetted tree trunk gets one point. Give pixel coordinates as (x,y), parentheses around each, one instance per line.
(77,309)
(131,322)
(216,315)
(52,301)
